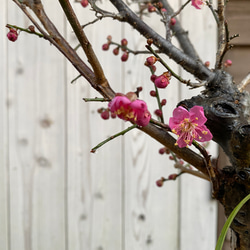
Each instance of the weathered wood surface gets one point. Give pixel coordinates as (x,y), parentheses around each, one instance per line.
(54,194)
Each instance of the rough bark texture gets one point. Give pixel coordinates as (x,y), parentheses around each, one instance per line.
(227,110)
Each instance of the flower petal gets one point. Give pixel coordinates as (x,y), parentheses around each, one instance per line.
(179,114)
(203,134)
(197,115)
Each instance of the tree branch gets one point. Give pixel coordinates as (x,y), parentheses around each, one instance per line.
(180,34)
(190,64)
(82,38)
(168,141)
(62,45)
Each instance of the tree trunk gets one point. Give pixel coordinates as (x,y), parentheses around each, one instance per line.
(227,110)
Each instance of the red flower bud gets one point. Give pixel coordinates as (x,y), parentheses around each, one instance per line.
(207,63)
(124,57)
(172,177)
(12,35)
(151,8)
(116,51)
(173,21)
(158,112)
(162,151)
(105,114)
(109,38)
(151,60)
(105,46)
(159,183)
(84,3)
(153,77)
(163,102)
(124,42)
(153,93)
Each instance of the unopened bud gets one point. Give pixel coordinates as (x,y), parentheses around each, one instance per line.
(105,46)
(31,28)
(84,3)
(172,176)
(105,114)
(162,151)
(124,57)
(149,41)
(160,182)
(173,21)
(124,42)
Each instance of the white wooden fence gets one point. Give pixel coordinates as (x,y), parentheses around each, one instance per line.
(55,194)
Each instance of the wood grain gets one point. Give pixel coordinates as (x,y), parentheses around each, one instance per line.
(197,209)
(4,214)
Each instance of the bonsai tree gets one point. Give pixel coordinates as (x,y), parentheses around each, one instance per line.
(220,112)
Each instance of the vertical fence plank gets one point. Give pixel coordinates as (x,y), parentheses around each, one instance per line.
(198,210)
(94,180)
(37,140)
(151,213)
(3,131)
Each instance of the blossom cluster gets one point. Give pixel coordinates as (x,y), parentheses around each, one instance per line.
(122,46)
(129,108)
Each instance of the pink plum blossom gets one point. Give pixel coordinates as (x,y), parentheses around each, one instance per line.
(189,125)
(197,3)
(130,110)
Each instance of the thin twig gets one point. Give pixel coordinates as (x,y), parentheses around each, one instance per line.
(160,124)
(222,34)
(24,30)
(191,171)
(180,9)
(210,6)
(93,150)
(96,99)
